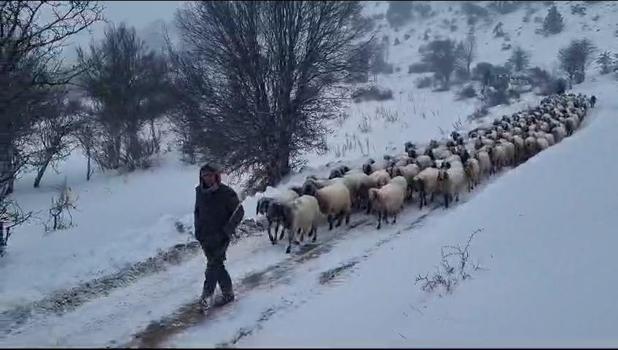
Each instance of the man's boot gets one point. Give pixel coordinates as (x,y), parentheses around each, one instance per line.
(226,296)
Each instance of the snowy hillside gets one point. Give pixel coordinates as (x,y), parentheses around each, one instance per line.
(131,259)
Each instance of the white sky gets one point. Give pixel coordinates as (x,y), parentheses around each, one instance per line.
(135,13)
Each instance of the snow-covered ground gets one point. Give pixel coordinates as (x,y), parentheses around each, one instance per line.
(541,267)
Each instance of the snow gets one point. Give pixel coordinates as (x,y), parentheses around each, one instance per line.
(547,234)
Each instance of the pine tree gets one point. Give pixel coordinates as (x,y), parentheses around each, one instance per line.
(519,59)
(553,23)
(604,61)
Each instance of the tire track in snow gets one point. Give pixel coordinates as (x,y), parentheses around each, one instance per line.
(66,300)
(190,315)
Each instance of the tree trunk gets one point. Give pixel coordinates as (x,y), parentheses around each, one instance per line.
(39,175)
(88,171)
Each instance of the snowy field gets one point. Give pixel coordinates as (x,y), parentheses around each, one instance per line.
(546,243)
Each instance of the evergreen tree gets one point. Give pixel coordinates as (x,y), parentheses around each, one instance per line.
(553,23)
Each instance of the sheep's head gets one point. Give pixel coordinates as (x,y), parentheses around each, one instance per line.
(335,173)
(411,153)
(297,189)
(367,168)
(310,188)
(262,205)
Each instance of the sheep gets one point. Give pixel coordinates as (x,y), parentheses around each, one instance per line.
(271,207)
(498,157)
(473,173)
(531,146)
(509,149)
(541,143)
(451,181)
(424,162)
(334,201)
(371,166)
(358,184)
(379,178)
(559,132)
(338,171)
(408,172)
(389,199)
(302,216)
(485,163)
(520,148)
(426,182)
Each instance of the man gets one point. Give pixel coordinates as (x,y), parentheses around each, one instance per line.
(593,101)
(217,214)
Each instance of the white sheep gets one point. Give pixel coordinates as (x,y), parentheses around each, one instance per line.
(451,182)
(424,162)
(426,182)
(485,163)
(559,132)
(334,201)
(302,215)
(388,200)
(473,173)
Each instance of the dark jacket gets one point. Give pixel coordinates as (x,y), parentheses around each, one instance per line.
(217,214)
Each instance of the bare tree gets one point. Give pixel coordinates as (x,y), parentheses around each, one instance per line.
(575,58)
(442,56)
(129,87)
(52,134)
(30,47)
(262,78)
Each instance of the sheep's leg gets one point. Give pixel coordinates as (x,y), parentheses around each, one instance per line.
(298,233)
(431,199)
(368,207)
(282,232)
(379,219)
(340,219)
(395,218)
(457,197)
(276,231)
(290,238)
(422,199)
(330,222)
(302,234)
(347,218)
(315,233)
(446,200)
(269,234)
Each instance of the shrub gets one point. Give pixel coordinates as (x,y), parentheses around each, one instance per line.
(372,93)
(424,82)
(399,12)
(467,92)
(419,67)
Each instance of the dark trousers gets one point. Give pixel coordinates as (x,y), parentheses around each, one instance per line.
(215,270)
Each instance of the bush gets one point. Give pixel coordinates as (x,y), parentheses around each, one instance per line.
(578,9)
(372,93)
(505,7)
(471,9)
(406,36)
(396,42)
(424,82)
(467,92)
(399,12)
(419,67)
(519,59)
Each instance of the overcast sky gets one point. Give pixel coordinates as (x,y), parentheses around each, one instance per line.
(135,13)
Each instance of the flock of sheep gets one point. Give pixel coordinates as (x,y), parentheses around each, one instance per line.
(444,168)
